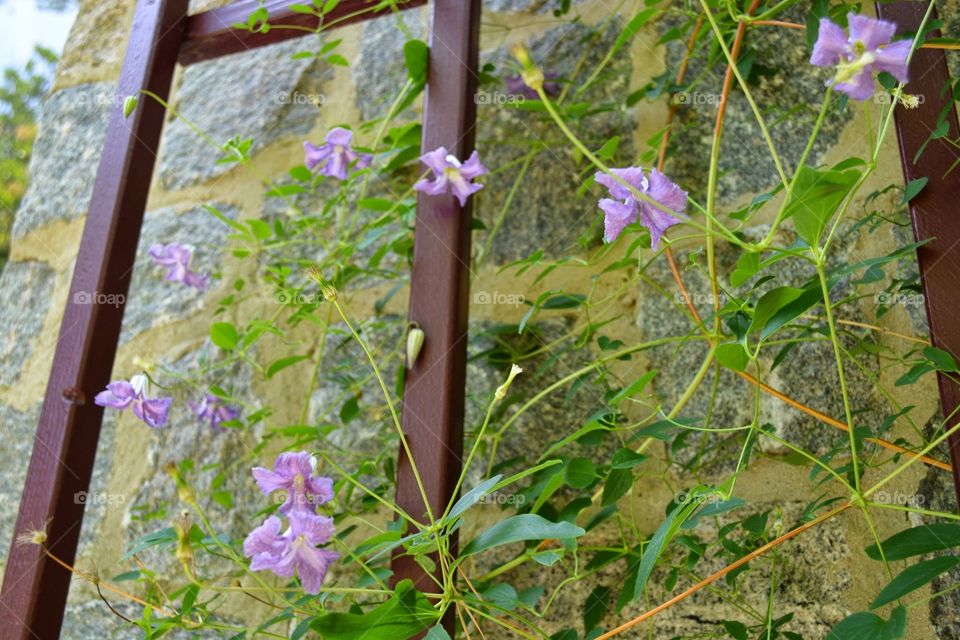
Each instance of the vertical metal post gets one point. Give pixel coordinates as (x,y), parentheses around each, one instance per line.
(35,588)
(433,400)
(934,210)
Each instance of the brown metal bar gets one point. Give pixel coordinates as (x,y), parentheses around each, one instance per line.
(34,587)
(934,210)
(433,398)
(210,34)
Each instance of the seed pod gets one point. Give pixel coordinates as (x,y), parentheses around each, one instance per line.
(415,338)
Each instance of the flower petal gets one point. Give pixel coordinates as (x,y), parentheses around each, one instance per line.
(436,160)
(831,44)
(617,216)
(860,87)
(339,135)
(871,32)
(893,59)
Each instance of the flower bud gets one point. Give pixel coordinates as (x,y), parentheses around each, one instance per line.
(502,389)
(415,339)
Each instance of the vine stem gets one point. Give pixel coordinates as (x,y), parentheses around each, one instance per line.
(756,553)
(393,409)
(844,394)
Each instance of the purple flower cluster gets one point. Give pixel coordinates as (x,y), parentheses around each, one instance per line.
(624,208)
(122,394)
(294,550)
(335,157)
(866,51)
(450,175)
(175,258)
(212,410)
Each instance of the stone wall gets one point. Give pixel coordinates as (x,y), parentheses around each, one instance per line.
(248,93)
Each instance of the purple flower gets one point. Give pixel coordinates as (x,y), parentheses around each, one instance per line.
(122,394)
(293,473)
(450,175)
(212,409)
(335,156)
(175,258)
(624,208)
(294,550)
(517,86)
(867,50)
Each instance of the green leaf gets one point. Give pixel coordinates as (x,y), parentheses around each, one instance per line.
(770,303)
(912,578)
(597,604)
(405,614)
(618,483)
(626,459)
(283,363)
(737,630)
(224,335)
(665,533)
(634,388)
(473,496)
(527,526)
(869,626)
(941,359)
(375,204)
(635,24)
(733,355)
(918,541)
(815,197)
(503,595)
(748,264)
(161,537)
(913,188)
(416,54)
(580,473)
(437,633)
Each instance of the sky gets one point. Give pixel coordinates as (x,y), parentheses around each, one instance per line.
(23,24)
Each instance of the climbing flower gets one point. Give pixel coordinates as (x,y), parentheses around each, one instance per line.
(212,409)
(624,207)
(866,51)
(293,473)
(450,175)
(516,86)
(122,394)
(293,551)
(175,257)
(335,156)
